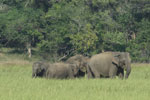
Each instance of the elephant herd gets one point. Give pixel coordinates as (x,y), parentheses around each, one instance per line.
(103,65)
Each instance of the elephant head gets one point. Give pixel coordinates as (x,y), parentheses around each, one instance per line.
(84,64)
(122,59)
(39,68)
(75,68)
(81,62)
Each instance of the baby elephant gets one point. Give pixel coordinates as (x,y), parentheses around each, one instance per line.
(82,61)
(56,70)
(39,69)
(62,70)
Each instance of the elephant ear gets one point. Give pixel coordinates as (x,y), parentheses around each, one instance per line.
(44,67)
(74,68)
(116,59)
(122,62)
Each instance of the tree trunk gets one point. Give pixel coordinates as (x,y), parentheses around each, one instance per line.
(29,49)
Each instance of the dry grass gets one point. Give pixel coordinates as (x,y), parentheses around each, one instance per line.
(7,59)
(15,63)
(140,64)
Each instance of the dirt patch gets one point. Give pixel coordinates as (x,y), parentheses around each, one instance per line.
(1,54)
(15,63)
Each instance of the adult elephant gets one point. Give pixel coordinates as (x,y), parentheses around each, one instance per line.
(62,70)
(109,64)
(80,60)
(39,69)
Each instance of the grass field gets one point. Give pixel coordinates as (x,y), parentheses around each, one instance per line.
(16,83)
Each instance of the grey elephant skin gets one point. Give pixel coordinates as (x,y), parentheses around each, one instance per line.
(39,69)
(56,70)
(62,71)
(81,61)
(109,64)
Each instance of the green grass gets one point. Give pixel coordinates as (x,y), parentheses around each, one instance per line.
(16,83)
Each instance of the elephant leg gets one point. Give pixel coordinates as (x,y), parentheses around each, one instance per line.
(70,74)
(121,76)
(112,72)
(33,75)
(96,74)
(89,72)
(120,73)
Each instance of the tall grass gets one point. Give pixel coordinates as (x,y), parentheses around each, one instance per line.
(16,83)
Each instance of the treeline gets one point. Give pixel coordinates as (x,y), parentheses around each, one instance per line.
(66,27)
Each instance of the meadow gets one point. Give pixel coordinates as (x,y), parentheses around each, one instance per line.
(16,83)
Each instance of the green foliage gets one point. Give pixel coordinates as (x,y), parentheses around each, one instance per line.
(21,26)
(84,42)
(117,41)
(77,26)
(141,45)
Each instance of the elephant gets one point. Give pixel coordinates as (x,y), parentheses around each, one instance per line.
(82,61)
(39,69)
(109,64)
(62,70)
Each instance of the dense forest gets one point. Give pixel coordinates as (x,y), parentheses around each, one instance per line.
(66,27)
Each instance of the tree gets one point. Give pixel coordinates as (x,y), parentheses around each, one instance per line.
(66,27)
(84,42)
(21,28)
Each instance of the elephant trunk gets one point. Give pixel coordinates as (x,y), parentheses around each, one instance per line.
(33,75)
(128,70)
